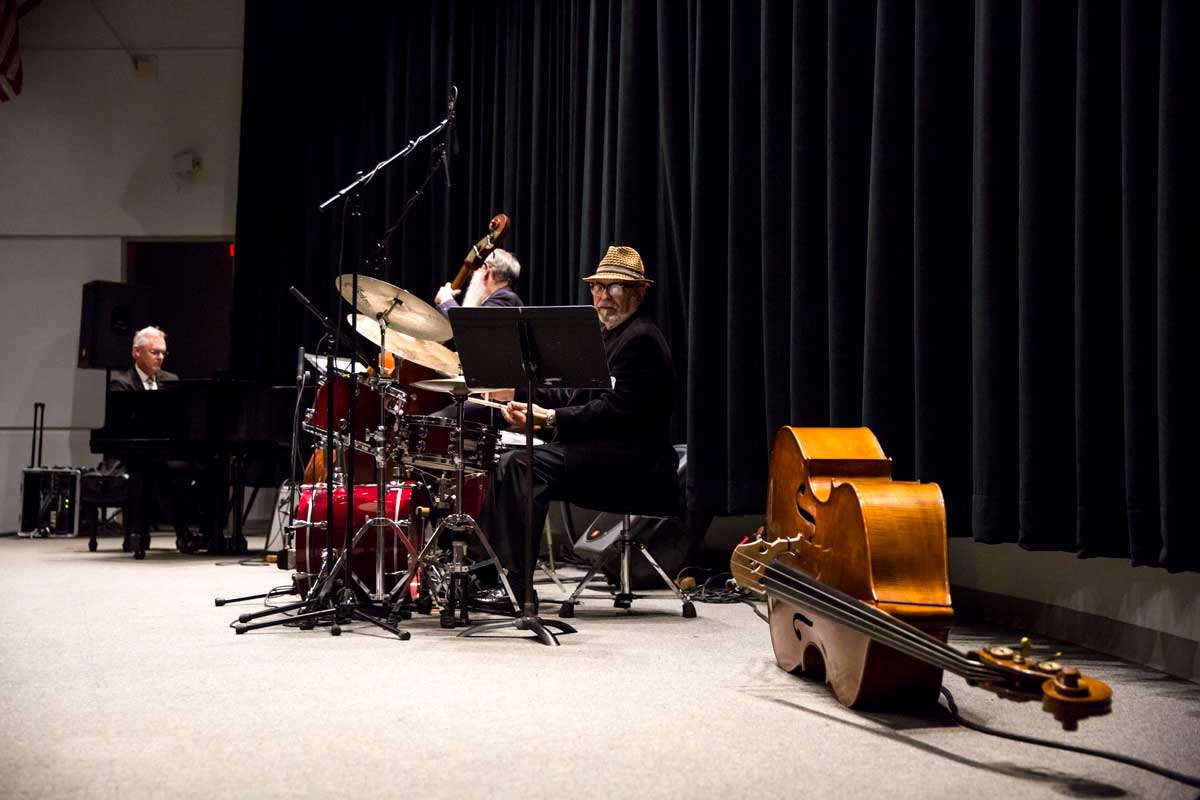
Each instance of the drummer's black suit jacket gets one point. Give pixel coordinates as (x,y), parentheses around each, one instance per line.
(130,381)
(617,442)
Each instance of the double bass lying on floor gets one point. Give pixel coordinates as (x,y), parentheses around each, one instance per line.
(853,566)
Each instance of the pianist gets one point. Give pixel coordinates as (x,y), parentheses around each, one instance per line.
(149,350)
(154,484)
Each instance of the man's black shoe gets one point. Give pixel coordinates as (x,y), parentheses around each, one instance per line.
(492,601)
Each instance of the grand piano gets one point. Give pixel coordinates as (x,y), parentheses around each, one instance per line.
(237,432)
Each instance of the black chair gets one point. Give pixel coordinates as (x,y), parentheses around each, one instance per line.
(626,538)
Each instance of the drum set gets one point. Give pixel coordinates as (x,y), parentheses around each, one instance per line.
(410,526)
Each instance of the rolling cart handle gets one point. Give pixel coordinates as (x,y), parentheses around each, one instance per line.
(39,431)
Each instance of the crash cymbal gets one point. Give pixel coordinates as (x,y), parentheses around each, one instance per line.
(456,385)
(427,354)
(403,311)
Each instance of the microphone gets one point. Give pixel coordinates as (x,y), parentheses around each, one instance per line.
(300,376)
(451,123)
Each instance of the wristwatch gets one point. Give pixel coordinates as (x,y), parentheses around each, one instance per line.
(550,418)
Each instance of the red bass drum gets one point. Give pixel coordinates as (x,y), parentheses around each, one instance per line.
(402,500)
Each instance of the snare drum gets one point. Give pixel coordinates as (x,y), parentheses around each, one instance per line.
(432,443)
(401,500)
(341,393)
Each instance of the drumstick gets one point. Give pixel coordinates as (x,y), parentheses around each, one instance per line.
(487,403)
(490,404)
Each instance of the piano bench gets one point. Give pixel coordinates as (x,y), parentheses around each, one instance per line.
(99,492)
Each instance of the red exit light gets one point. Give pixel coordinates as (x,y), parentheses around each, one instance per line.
(231,249)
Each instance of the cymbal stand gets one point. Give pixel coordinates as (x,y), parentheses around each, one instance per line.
(460,526)
(326,598)
(349,601)
(379,448)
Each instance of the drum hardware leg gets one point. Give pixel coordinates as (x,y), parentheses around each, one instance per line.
(458,593)
(266,612)
(359,613)
(295,526)
(494,559)
(220,601)
(379,524)
(396,595)
(325,600)
(456,522)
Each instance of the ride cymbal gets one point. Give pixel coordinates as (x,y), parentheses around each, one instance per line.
(403,311)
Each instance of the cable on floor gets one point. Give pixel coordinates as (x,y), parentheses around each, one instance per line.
(1190,780)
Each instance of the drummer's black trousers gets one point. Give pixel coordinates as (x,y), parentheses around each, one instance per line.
(504,518)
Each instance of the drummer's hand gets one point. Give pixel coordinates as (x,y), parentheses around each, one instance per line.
(514,413)
(446,293)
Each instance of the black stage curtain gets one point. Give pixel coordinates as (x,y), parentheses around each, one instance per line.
(964,226)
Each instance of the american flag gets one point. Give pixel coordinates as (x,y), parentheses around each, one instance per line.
(10,51)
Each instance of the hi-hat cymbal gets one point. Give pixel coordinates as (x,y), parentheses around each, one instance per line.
(427,354)
(403,311)
(456,385)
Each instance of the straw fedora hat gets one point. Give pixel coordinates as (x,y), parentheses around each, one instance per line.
(620,265)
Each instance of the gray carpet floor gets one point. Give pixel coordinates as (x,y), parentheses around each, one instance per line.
(119,678)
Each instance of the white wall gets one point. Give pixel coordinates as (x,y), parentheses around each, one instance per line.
(85,160)
(1147,597)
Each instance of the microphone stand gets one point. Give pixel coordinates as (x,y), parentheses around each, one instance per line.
(316,604)
(363,179)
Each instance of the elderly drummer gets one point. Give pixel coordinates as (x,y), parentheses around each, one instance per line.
(607,445)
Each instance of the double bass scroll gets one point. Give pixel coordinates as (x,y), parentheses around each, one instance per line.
(497,230)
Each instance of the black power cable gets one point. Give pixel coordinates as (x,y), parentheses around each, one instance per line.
(727,592)
(1190,780)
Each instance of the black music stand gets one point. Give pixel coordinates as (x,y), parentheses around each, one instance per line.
(553,347)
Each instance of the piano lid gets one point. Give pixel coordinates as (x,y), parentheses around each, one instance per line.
(198,410)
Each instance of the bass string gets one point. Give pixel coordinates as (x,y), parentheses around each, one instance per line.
(798,588)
